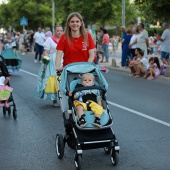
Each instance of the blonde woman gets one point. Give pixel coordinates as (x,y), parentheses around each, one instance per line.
(76,44)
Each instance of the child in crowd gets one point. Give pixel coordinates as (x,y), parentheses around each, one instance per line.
(154,70)
(151,65)
(88,100)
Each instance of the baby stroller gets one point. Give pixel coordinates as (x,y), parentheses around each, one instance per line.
(4,72)
(88,137)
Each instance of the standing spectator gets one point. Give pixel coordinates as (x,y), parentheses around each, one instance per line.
(105,44)
(39,38)
(133,40)
(142,41)
(115,43)
(123,31)
(99,43)
(21,40)
(76,43)
(165,43)
(17,39)
(47,87)
(125,47)
(31,41)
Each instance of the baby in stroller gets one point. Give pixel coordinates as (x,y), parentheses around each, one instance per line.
(5,90)
(86,100)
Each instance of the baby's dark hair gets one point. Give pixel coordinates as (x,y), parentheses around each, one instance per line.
(156,60)
(151,59)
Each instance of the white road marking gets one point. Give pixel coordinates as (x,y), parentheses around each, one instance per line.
(122,107)
(29,73)
(140,114)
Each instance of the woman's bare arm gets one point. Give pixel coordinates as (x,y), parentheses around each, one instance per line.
(91,55)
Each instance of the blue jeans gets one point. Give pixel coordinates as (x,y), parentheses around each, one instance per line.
(125,53)
(165,55)
(105,49)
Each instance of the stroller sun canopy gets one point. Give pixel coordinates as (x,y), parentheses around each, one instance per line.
(81,68)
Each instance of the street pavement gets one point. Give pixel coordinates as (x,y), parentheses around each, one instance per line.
(141,122)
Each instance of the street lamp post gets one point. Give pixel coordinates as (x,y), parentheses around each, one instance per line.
(53,15)
(123,13)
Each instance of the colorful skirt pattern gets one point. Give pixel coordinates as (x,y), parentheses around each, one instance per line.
(47,85)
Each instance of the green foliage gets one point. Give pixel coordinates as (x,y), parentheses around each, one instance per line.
(154,10)
(39,12)
(151,31)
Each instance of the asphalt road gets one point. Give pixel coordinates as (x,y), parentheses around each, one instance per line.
(141,115)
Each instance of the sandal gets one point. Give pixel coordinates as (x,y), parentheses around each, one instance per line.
(137,76)
(82,121)
(150,78)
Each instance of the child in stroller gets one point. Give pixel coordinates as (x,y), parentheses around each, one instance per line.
(88,100)
(5,90)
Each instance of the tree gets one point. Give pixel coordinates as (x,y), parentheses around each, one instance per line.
(154,10)
(39,12)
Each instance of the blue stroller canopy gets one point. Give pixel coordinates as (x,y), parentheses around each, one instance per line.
(82,68)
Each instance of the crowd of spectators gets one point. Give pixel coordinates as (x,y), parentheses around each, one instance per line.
(146,56)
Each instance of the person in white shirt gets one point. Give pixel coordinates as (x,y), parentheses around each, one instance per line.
(39,38)
(139,66)
(47,88)
(133,40)
(165,44)
(142,41)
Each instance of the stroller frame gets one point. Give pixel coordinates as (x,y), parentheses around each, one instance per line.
(81,139)
(10,100)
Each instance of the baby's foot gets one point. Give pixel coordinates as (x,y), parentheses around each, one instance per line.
(97,122)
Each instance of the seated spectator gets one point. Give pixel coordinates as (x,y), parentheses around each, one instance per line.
(151,65)
(154,70)
(139,66)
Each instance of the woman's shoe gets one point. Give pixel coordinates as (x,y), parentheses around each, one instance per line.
(56,104)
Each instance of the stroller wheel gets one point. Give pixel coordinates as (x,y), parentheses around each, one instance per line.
(4,110)
(14,114)
(114,157)
(59,146)
(77,161)
(9,110)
